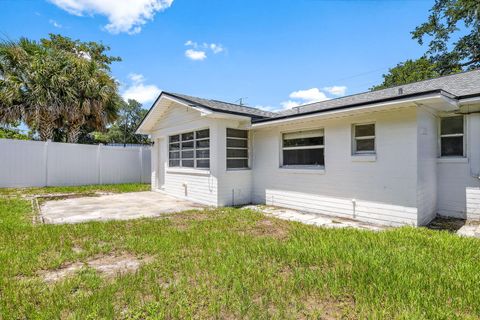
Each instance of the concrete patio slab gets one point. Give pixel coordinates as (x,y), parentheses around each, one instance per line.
(122,206)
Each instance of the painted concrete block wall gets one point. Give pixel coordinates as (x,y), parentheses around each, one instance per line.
(456,175)
(427,151)
(234,186)
(384,189)
(196,185)
(473,203)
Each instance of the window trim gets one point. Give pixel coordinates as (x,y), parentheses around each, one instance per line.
(248,167)
(354,140)
(299,167)
(180,141)
(463,135)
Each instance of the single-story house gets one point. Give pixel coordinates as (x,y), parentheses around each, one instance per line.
(395,156)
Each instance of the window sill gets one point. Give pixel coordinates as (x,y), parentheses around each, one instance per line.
(311,170)
(197,172)
(452,160)
(238,169)
(364,157)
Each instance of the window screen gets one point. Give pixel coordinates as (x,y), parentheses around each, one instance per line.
(190,149)
(237,149)
(451,136)
(364,138)
(303,148)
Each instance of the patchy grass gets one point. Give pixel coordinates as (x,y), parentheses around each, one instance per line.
(89,189)
(233,263)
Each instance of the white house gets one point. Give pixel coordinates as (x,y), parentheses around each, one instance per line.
(396,156)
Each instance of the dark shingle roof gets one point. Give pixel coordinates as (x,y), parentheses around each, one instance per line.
(223,106)
(459,84)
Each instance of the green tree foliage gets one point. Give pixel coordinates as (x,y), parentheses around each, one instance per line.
(407,72)
(12,133)
(123,129)
(448,20)
(452,19)
(57,86)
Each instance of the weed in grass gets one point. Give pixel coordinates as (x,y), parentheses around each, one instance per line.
(229,263)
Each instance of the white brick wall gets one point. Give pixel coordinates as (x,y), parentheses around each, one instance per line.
(384,190)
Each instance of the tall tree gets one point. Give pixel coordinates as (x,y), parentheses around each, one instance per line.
(34,86)
(452,19)
(123,129)
(56,86)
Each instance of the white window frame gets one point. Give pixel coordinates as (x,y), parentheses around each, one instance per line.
(463,135)
(355,152)
(237,148)
(195,158)
(300,166)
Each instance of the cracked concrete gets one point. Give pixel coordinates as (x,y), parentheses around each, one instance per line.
(314,219)
(122,206)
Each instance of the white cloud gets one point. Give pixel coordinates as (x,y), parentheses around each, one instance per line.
(289,104)
(309,95)
(140,91)
(199,51)
(123,15)
(336,90)
(216,48)
(301,97)
(195,54)
(55,24)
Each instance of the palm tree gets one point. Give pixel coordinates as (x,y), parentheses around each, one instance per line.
(33,86)
(49,87)
(96,101)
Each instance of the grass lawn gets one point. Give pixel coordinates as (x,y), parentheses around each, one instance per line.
(233,263)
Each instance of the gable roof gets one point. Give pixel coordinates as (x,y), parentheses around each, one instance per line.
(221,106)
(458,85)
(455,86)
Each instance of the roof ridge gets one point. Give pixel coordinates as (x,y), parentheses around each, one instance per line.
(388,88)
(221,101)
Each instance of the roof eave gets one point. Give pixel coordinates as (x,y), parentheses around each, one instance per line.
(444,96)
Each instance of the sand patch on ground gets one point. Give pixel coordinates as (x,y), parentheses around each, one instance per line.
(106,265)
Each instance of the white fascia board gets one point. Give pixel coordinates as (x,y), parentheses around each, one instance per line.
(473,100)
(353,110)
(152,114)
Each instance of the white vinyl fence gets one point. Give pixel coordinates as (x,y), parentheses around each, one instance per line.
(37,163)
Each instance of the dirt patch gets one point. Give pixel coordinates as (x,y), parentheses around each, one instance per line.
(107,265)
(182,220)
(278,229)
(329,308)
(444,223)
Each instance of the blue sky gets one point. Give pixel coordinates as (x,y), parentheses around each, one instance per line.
(274,54)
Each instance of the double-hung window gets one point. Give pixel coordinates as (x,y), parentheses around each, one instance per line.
(190,149)
(303,148)
(364,138)
(452,136)
(237,149)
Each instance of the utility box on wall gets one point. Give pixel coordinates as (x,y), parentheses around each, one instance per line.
(473,203)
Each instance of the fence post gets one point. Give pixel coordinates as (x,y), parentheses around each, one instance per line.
(141,163)
(45,160)
(99,163)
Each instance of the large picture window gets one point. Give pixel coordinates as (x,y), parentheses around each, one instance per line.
(237,149)
(190,149)
(451,136)
(303,148)
(364,138)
